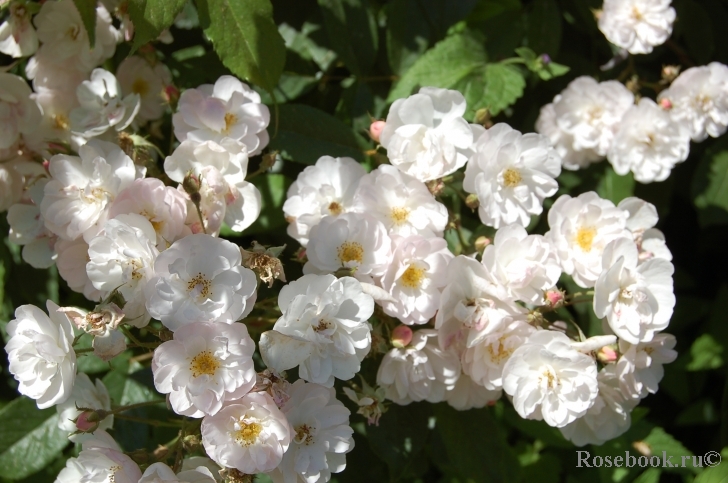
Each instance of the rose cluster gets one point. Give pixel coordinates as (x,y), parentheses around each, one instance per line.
(137,233)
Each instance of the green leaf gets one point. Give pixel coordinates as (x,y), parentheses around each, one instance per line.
(659,441)
(504,85)
(447,63)
(306,133)
(614,187)
(475,445)
(551,70)
(400,436)
(273,188)
(651,475)
(87,9)
(246,38)
(717,474)
(544,27)
(710,188)
(151,17)
(352,33)
(30,438)
(707,353)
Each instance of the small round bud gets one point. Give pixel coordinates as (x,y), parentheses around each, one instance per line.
(401,336)
(171,94)
(472,201)
(191,184)
(554,297)
(483,117)
(84,421)
(375,130)
(670,72)
(666,103)
(607,354)
(481,242)
(546,59)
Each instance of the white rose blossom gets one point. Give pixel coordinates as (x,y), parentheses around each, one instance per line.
(228,162)
(425,134)
(102,106)
(580,228)
(41,357)
(88,395)
(415,277)
(11,186)
(19,114)
(421,371)
(64,40)
(200,279)
(205,365)
(586,116)
(609,416)
(28,229)
(563,142)
(228,109)
(636,298)
(249,434)
(698,99)
(100,460)
(356,241)
(636,25)
(641,222)
(469,305)
(484,358)
(122,258)
(401,202)
(324,329)
(164,207)
(82,187)
(137,76)
(71,263)
(18,38)
(649,143)
(326,188)
(511,173)
(640,365)
(161,473)
(467,394)
(550,380)
(321,435)
(523,265)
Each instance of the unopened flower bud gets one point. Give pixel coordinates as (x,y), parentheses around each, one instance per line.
(401,336)
(139,456)
(472,201)
(171,94)
(554,297)
(191,184)
(484,118)
(435,186)
(84,421)
(375,130)
(670,72)
(481,242)
(643,448)
(607,354)
(666,103)
(546,59)
(300,255)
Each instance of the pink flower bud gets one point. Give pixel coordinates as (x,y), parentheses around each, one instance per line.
(375,130)
(666,104)
(554,297)
(84,424)
(607,354)
(401,336)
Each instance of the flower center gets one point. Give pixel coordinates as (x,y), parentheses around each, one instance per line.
(303,435)
(73,31)
(351,252)
(412,277)
(399,215)
(140,86)
(511,177)
(498,352)
(230,119)
(136,269)
(335,208)
(585,237)
(204,284)
(248,433)
(61,121)
(322,325)
(636,14)
(204,363)
(551,380)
